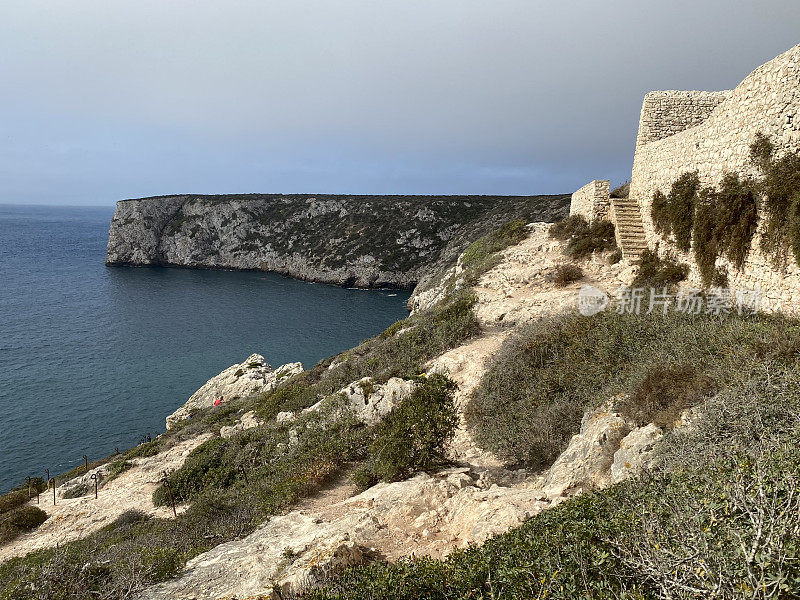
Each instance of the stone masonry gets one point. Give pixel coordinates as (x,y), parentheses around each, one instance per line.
(715,140)
(592,200)
(665,113)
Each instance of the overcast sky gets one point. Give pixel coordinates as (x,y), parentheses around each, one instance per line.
(102,100)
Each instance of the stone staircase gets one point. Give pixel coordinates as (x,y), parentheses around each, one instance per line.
(628,222)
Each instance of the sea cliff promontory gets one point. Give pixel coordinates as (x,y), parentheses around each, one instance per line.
(363,241)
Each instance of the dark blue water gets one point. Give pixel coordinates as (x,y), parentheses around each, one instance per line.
(93,357)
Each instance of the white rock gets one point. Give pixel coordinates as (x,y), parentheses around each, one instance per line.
(586,462)
(635,451)
(253,376)
(247,421)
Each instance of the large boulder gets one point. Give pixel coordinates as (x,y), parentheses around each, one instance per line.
(371,402)
(586,463)
(635,452)
(253,376)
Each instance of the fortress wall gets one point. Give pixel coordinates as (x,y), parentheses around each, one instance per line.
(767,101)
(592,200)
(666,113)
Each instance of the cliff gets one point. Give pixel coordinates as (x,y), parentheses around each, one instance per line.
(364,241)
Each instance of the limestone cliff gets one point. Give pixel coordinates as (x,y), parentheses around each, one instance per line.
(364,241)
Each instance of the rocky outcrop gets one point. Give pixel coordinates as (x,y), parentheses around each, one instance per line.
(370,402)
(427,514)
(253,376)
(363,241)
(248,420)
(635,452)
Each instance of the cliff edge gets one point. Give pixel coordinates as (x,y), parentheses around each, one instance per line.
(363,241)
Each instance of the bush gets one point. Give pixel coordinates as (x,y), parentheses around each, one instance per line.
(615,257)
(598,238)
(19,521)
(563,275)
(130,517)
(680,206)
(665,392)
(657,272)
(13,499)
(584,238)
(414,436)
(659,213)
(725,223)
(548,373)
(76,491)
(623,191)
(567,228)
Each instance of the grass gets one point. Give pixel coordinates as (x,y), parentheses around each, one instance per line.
(536,390)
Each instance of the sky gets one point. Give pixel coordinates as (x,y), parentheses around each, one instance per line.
(102,100)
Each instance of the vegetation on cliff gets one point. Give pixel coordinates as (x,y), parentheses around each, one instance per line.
(722,221)
(235,484)
(584,238)
(367,241)
(717,516)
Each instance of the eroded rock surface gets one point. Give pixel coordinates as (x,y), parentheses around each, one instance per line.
(253,376)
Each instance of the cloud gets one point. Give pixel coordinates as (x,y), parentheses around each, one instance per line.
(107,99)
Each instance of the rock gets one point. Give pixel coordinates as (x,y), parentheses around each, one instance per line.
(634,452)
(247,421)
(253,376)
(586,462)
(371,402)
(318,564)
(285,417)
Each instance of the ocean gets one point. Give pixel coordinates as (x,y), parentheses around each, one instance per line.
(95,357)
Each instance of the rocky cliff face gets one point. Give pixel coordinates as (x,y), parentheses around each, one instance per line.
(364,241)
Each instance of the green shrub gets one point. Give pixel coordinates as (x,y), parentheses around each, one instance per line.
(657,272)
(131,517)
(659,213)
(76,491)
(414,436)
(598,238)
(19,521)
(584,238)
(622,191)
(548,373)
(13,499)
(680,207)
(615,257)
(706,236)
(567,228)
(565,274)
(665,392)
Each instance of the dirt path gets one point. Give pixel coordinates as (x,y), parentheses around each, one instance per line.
(72,519)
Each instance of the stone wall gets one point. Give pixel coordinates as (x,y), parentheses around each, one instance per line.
(592,200)
(767,101)
(665,113)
